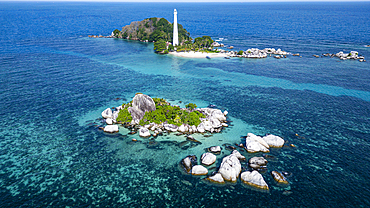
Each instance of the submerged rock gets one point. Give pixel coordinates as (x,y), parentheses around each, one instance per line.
(273,141)
(190,138)
(208,158)
(215,149)
(230,168)
(278,177)
(199,170)
(217,178)
(254,178)
(257,162)
(111,128)
(188,162)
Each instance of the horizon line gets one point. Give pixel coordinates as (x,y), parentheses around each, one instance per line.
(188,1)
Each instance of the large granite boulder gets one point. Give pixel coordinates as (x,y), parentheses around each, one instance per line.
(107,113)
(273,141)
(208,158)
(183,128)
(230,168)
(140,104)
(254,178)
(238,155)
(257,162)
(109,121)
(200,128)
(207,125)
(199,170)
(111,128)
(255,144)
(215,123)
(217,178)
(115,116)
(144,132)
(170,127)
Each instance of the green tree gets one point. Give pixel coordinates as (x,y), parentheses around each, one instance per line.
(116,33)
(191,106)
(160,45)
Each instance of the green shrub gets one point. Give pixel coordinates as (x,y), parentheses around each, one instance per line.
(191,106)
(164,113)
(124,116)
(240,52)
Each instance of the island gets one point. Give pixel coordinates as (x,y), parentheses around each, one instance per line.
(152,116)
(173,39)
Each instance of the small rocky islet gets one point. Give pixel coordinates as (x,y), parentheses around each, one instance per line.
(151,117)
(145,116)
(160,31)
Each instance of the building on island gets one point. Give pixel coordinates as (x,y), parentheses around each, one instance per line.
(175,30)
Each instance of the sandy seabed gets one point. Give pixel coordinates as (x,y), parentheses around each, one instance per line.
(193,54)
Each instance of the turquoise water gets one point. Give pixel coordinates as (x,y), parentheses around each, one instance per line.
(55,82)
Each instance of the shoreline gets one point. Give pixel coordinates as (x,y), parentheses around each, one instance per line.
(193,54)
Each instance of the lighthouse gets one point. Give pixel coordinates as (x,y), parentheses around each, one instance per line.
(175,31)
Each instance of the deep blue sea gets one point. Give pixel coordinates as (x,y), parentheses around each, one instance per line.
(55,82)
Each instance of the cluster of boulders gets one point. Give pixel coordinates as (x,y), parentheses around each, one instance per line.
(344,56)
(214,119)
(98,36)
(214,122)
(257,53)
(352,55)
(110,118)
(231,168)
(217,44)
(254,143)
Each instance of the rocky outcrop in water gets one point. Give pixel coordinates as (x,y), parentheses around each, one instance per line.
(274,141)
(215,149)
(111,128)
(257,162)
(230,168)
(278,177)
(208,158)
(217,178)
(144,132)
(256,144)
(254,178)
(199,170)
(257,53)
(262,144)
(107,113)
(188,162)
(354,55)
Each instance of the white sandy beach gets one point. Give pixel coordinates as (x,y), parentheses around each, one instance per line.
(193,54)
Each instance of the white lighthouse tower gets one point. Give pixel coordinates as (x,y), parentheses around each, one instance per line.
(175,30)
